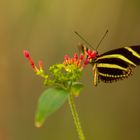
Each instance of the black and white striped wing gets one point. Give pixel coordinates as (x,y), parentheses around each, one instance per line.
(117,64)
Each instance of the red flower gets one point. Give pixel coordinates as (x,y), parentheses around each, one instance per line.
(91,54)
(78,61)
(27,55)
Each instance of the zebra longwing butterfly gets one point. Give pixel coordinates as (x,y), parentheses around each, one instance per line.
(113,65)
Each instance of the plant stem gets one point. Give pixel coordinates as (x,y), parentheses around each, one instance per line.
(76,118)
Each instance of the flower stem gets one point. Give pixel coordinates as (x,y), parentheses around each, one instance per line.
(76,118)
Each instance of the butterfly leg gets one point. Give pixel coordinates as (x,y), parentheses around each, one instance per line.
(95,74)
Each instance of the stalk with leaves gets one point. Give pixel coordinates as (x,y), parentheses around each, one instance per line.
(62,81)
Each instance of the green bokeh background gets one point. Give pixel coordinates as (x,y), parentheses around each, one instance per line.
(45,28)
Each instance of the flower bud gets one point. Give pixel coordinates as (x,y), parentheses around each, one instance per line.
(40,64)
(26,53)
(75,56)
(81,56)
(66,57)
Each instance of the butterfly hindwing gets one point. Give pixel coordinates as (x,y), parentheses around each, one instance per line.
(113,74)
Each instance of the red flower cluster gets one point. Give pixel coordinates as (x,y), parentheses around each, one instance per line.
(75,60)
(79,62)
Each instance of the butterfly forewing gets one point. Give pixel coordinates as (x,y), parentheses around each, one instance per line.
(130,55)
(117,64)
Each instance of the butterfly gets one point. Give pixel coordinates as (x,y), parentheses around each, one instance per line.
(113,65)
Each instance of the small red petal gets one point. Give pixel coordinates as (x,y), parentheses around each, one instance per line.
(66,57)
(32,64)
(89,52)
(72,60)
(86,62)
(26,53)
(40,64)
(75,56)
(81,56)
(94,54)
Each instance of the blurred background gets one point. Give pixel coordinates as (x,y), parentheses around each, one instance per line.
(46,28)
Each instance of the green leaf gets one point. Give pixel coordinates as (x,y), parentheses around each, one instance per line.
(50,100)
(76,88)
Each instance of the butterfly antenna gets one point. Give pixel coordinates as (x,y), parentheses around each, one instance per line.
(102,39)
(83,39)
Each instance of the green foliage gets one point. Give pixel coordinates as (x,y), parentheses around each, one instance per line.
(63,81)
(62,75)
(50,100)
